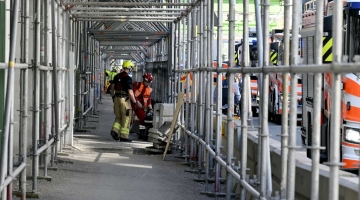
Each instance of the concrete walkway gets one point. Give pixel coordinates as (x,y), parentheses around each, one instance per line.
(98,168)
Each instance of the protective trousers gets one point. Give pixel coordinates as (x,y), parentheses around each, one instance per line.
(122,111)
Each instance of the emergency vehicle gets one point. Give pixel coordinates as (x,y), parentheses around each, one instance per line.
(350,90)
(253,77)
(275,80)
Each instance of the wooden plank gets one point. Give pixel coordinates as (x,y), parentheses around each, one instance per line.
(179,103)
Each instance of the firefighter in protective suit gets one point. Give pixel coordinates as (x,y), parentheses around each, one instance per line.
(122,93)
(142,92)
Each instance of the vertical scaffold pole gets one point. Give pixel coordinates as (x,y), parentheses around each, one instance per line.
(188,150)
(218,98)
(315,156)
(336,103)
(36,94)
(293,104)
(54,73)
(285,107)
(200,118)
(245,95)
(230,100)
(264,104)
(23,96)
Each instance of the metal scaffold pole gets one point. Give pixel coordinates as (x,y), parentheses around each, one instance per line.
(218,98)
(285,107)
(79,61)
(188,150)
(193,86)
(293,105)
(36,94)
(211,79)
(264,187)
(230,100)
(260,64)
(335,140)
(245,97)
(3,39)
(25,28)
(54,73)
(208,82)
(316,131)
(200,103)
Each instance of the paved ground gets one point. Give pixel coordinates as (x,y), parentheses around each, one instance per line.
(97,167)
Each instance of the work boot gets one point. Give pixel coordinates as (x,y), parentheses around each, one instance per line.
(114,135)
(125,140)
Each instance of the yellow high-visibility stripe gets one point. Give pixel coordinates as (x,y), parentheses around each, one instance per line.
(117,126)
(273,57)
(326,48)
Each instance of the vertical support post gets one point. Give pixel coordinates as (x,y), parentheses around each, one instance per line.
(230,100)
(3,39)
(245,95)
(187,112)
(23,145)
(175,66)
(210,75)
(260,64)
(293,104)
(171,66)
(264,104)
(71,67)
(218,97)
(315,157)
(54,73)
(200,121)
(79,61)
(285,104)
(207,76)
(36,94)
(336,103)
(24,97)
(193,85)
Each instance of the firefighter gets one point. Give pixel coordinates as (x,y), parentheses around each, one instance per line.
(122,93)
(142,92)
(110,76)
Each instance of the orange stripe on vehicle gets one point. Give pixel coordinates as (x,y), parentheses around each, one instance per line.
(349,164)
(357,146)
(351,87)
(353,114)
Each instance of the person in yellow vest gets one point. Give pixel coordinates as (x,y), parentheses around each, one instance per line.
(142,92)
(110,77)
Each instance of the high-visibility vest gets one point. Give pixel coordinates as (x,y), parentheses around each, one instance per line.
(111,75)
(142,93)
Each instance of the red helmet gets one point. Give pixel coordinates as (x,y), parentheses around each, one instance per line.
(148,77)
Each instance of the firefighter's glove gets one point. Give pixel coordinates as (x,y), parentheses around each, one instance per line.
(150,113)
